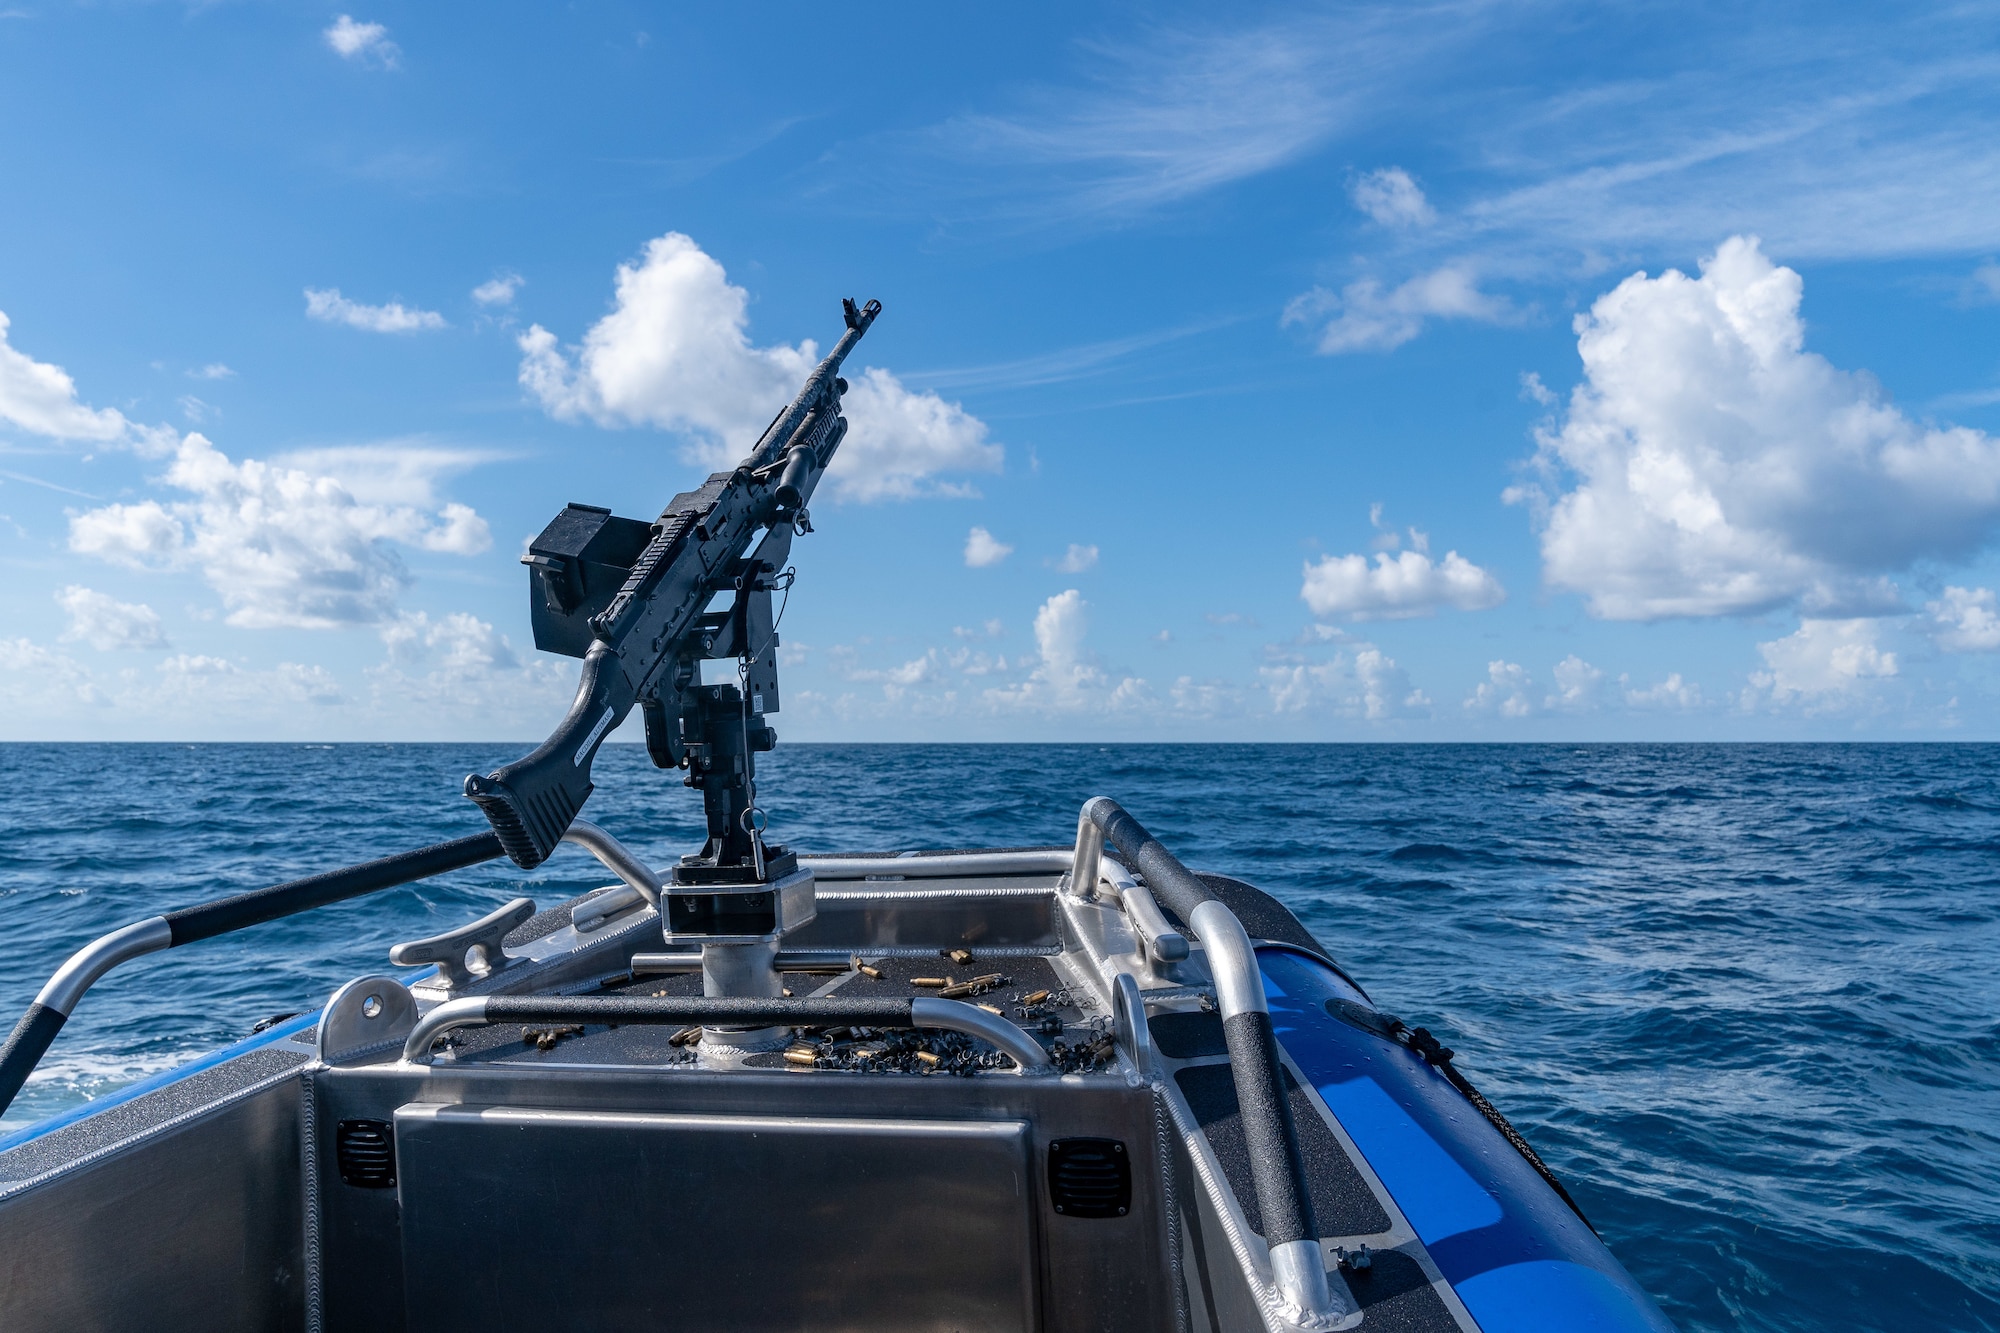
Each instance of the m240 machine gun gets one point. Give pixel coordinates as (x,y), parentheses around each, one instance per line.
(632,600)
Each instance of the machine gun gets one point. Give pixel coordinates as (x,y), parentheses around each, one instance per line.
(632,600)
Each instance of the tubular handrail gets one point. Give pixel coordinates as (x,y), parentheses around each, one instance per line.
(1277,1168)
(58,998)
(52,1007)
(922,1012)
(617,858)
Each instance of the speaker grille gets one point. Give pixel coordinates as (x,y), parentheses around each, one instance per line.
(1090,1178)
(366,1151)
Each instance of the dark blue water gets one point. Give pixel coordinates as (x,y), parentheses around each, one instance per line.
(1744,999)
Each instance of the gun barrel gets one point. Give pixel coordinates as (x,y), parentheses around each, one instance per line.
(817,387)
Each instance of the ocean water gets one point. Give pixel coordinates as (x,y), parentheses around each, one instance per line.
(1744,999)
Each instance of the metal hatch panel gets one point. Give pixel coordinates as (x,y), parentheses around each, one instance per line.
(522,1217)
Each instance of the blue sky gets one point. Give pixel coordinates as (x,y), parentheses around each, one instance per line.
(1442,372)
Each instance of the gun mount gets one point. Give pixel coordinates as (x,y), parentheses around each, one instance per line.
(633,600)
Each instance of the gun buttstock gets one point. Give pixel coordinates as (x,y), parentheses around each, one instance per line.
(529,814)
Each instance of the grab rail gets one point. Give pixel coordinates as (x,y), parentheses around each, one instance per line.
(1277,1168)
(58,998)
(922,1012)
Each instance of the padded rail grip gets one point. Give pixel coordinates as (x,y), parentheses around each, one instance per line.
(29,1041)
(1277,1167)
(38,1027)
(302,895)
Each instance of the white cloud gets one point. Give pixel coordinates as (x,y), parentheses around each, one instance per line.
(1362,317)
(1671,693)
(195,410)
(1720,468)
(1369,685)
(1067,676)
(328,306)
(459,646)
(1078,559)
(41,399)
(214,370)
(1397,586)
(365,43)
(1393,199)
(281,546)
(1060,627)
(1577,683)
(394,473)
(983,550)
(36,683)
(675,354)
(1965,620)
(499,289)
(102,621)
(1507,690)
(992,629)
(1824,657)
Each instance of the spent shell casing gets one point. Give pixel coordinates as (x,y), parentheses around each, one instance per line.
(801,1055)
(1036,998)
(960,956)
(993,1009)
(685,1037)
(930,982)
(873,973)
(958,990)
(927,1057)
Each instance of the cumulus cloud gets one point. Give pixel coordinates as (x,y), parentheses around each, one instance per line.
(1393,199)
(282,546)
(363,43)
(1367,684)
(1363,317)
(1078,559)
(1672,693)
(1577,684)
(1397,586)
(675,353)
(41,399)
(1824,657)
(498,290)
(1965,620)
(1716,467)
(1508,690)
(102,621)
(214,370)
(1066,676)
(983,550)
(328,306)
